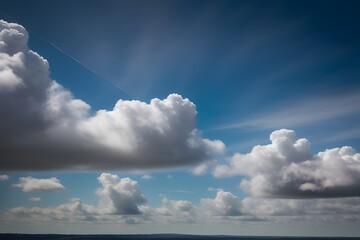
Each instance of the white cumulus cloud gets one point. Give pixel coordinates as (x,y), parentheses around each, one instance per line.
(120,196)
(29,184)
(224,204)
(172,211)
(286,168)
(44,127)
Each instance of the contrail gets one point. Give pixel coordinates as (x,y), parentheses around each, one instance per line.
(80,63)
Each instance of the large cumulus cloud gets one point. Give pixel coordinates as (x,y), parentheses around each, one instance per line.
(286,169)
(44,127)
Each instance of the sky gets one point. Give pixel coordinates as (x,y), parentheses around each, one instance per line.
(195,117)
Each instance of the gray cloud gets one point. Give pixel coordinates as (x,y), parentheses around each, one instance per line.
(286,169)
(45,128)
(29,184)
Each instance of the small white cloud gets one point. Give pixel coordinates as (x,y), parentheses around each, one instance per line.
(35,199)
(4,177)
(147,177)
(181,191)
(169,176)
(211,189)
(29,184)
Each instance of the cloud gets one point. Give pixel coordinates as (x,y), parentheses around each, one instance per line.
(226,207)
(119,196)
(4,177)
(29,184)
(73,211)
(203,168)
(199,170)
(326,210)
(286,169)
(353,133)
(44,127)
(120,199)
(35,199)
(304,113)
(211,189)
(224,204)
(181,191)
(173,211)
(147,177)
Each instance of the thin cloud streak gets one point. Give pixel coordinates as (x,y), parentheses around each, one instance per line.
(80,63)
(181,191)
(343,135)
(309,112)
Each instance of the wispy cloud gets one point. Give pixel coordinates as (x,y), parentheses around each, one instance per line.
(182,191)
(35,199)
(4,177)
(303,113)
(353,133)
(147,177)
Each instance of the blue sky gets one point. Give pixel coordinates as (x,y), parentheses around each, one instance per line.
(239,71)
